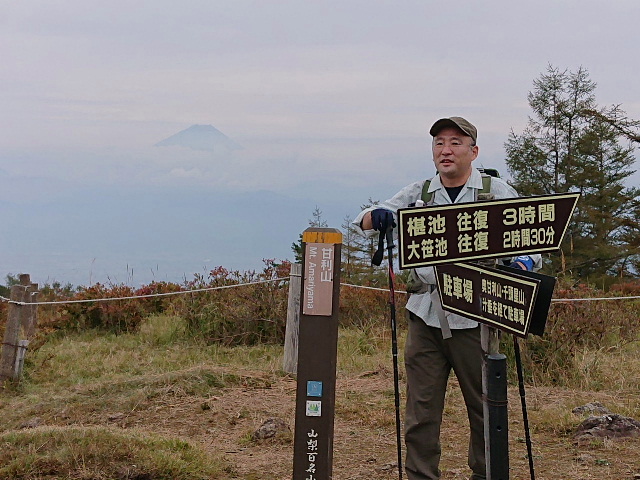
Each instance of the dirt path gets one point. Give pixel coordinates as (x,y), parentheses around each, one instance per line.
(365,444)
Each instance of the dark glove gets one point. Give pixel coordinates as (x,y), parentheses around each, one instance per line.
(523,262)
(382,219)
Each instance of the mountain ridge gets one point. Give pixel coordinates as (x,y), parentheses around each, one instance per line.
(201,137)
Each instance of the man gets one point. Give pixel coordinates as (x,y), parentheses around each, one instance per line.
(429,357)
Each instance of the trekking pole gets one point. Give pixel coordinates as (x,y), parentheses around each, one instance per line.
(523,401)
(377,260)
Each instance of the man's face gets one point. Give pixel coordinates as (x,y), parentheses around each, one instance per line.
(452,155)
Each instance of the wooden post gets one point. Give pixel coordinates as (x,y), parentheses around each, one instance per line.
(25,281)
(11,333)
(20,353)
(290,361)
(317,354)
(32,323)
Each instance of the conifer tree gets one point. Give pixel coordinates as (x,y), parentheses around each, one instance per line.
(572,145)
(316,220)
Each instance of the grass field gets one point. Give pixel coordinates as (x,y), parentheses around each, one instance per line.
(157,404)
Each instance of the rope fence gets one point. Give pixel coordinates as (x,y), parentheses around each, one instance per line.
(150,295)
(208,289)
(20,319)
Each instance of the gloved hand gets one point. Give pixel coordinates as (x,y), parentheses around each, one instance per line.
(523,262)
(382,219)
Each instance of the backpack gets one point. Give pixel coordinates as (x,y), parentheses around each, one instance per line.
(414,284)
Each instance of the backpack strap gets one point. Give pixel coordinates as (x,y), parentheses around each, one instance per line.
(485,193)
(426,194)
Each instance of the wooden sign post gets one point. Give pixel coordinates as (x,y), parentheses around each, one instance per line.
(317,354)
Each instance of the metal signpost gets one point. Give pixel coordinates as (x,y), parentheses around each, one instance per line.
(444,235)
(317,354)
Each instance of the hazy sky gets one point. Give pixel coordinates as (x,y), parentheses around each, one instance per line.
(328,98)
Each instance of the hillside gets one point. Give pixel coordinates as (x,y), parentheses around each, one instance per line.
(160,386)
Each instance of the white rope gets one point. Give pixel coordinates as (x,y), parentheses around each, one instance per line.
(370,288)
(182,292)
(151,295)
(553,299)
(592,299)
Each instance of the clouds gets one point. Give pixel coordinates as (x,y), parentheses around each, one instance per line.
(290,68)
(332,100)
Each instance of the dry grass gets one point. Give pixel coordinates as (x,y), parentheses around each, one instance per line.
(159,392)
(83,452)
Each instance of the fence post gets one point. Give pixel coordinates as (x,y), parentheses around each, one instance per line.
(32,323)
(12,330)
(290,361)
(25,311)
(20,353)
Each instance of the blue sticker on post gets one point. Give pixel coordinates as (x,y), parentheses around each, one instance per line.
(314,388)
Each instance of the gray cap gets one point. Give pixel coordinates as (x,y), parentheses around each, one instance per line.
(455,122)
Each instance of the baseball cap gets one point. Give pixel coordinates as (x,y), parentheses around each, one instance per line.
(455,122)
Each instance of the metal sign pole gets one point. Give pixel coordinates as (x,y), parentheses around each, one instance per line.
(317,354)
(494,391)
(523,402)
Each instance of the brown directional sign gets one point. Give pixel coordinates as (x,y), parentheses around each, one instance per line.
(543,299)
(439,234)
(502,300)
(317,354)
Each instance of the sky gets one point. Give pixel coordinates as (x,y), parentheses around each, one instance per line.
(331,102)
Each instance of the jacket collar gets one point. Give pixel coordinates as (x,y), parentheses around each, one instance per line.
(474,181)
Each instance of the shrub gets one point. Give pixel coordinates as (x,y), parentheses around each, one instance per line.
(162,304)
(116,316)
(573,327)
(364,308)
(246,315)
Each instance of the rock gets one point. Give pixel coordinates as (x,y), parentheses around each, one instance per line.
(114,417)
(271,428)
(609,426)
(32,423)
(585,458)
(387,467)
(592,408)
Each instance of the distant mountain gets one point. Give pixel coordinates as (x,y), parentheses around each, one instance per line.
(201,137)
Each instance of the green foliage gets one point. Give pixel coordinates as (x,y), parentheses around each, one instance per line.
(316,221)
(11,279)
(357,252)
(572,145)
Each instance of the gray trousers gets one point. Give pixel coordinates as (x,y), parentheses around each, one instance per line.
(428,361)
